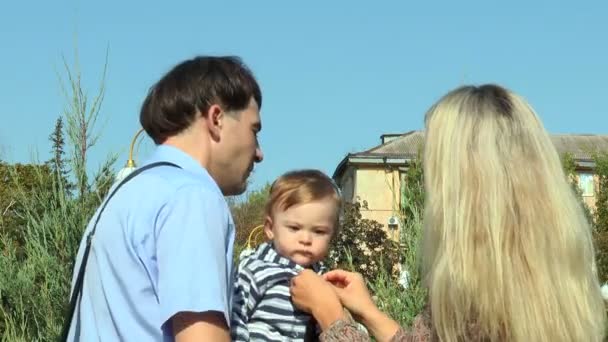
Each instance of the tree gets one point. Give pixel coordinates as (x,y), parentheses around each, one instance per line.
(601,203)
(14,179)
(36,259)
(82,117)
(598,219)
(248,212)
(569,166)
(57,163)
(600,216)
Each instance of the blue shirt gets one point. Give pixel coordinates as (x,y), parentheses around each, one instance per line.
(163,245)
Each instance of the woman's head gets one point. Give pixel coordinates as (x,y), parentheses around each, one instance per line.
(506,243)
(302,215)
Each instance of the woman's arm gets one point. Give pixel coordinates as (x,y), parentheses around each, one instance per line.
(313,294)
(344,331)
(354,295)
(381,327)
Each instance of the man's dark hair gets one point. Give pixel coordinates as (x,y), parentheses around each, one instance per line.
(190,88)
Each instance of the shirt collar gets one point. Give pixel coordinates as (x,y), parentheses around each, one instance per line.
(185,161)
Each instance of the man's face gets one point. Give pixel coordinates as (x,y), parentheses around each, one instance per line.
(238,149)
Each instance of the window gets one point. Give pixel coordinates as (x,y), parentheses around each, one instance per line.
(586,184)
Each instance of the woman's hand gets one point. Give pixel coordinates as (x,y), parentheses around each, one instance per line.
(311,293)
(352,291)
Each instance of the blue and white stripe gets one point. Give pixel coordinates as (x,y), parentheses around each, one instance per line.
(262,309)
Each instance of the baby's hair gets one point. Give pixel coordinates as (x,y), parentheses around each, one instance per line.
(301,187)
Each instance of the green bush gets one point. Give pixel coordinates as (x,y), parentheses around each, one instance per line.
(42,225)
(248,212)
(601,204)
(598,218)
(362,245)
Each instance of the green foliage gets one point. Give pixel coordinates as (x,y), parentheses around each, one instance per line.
(598,218)
(601,204)
(412,207)
(35,275)
(43,222)
(31,178)
(402,304)
(362,245)
(569,166)
(601,216)
(81,116)
(57,162)
(248,213)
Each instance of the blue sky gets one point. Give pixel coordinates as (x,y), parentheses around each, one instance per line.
(335,75)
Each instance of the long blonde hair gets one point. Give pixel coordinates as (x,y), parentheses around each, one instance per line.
(507,249)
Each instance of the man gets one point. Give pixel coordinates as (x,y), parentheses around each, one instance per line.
(160,266)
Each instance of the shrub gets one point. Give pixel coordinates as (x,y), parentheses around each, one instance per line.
(362,245)
(38,243)
(600,216)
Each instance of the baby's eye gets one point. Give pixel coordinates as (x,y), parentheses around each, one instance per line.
(320,232)
(293,228)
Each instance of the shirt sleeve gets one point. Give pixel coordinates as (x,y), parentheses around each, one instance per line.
(191,254)
(343,331)
(245,299)
(347,331)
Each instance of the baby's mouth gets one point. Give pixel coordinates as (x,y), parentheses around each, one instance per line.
(304,253)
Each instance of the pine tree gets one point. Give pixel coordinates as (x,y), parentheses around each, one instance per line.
(57,162)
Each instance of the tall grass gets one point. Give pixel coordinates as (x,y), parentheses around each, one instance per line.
(36,258)
(401,303)
(404,304)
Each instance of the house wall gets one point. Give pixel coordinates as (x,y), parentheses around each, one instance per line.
(347,184)
(380,189)
(379,186)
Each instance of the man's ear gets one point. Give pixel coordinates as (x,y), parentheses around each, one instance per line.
(215,120)
(268,228)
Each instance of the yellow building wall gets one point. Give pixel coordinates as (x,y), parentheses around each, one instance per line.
(380,189)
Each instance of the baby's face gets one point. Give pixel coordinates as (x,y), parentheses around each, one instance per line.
(303,232)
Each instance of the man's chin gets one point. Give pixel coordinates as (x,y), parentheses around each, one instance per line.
(236,190)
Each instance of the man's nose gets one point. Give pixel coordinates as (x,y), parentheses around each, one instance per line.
(259,155)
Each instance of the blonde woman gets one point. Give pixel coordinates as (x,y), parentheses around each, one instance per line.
(507,252)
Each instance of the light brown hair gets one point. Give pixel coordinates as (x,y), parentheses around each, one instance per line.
(300,187)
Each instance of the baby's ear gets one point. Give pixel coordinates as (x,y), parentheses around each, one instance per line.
(268,228)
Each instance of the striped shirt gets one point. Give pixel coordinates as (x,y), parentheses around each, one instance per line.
(262,308)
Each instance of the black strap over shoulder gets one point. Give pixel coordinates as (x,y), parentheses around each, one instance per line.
(85,257)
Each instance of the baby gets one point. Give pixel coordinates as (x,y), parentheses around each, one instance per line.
(301,218)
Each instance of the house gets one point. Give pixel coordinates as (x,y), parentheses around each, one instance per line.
(375,176)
